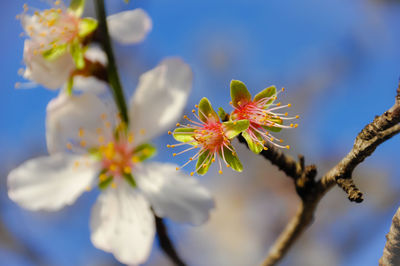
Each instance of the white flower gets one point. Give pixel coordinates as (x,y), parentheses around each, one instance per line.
(88,146)
(55,48)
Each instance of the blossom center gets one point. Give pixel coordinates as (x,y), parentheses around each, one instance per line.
(211,136)
(116,158)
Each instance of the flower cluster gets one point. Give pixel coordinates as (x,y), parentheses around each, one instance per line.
(91,145)
(254,119)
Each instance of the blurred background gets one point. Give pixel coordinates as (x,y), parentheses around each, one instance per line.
(340,63)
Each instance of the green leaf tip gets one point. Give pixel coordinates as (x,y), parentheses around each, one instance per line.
(206,111)
(204,162)
(234,128)
(232,159)
(222,114)
(144,152)
(184,135)
(77,7)
(269,92)
(239,93)
(254,146)
(87,26)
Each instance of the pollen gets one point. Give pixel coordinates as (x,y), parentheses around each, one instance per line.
(127,170)
(102,177)
(113,185)
(81,133)
(220,172)
(82,143)
(192,173)
(69,146)
(287,147)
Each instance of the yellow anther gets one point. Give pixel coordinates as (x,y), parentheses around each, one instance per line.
(209,115)
(169,132)
(272,139)
(196,106)
(235,122)
(297,116)
(82,143)
(54,45)
(168,146)
(204,165)
(69,146)
(193,111)
(278,104)
(228,165)
(291,125)
(131,137)
(127,170)
(88,188)
(174,154)
(142,131)
(135,159)
(281,140)
(289,105)
(113,167)
(177,124)
(220,172)
(283,89)
(113,185)
(107,124)
(172,146)
(190,159)
(185,117)
(287,147)
(101,139)
(265,148)
(59,10)
(213,160)
(192,173)
(296,125)
(81,132)
(177,168)
(196,146)
(230,102)
(286,114)
(102,177)
(58,2)
(76,164)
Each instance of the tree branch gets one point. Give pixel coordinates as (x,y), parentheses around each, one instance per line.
(166,243)
(311,192)
(391,252)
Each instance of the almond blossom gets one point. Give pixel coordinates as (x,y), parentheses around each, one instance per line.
(212,138)
(264,115)
(57,39)
(90,146)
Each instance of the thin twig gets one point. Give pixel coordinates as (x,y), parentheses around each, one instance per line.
(102,35)
(310,191)
(112,71)
(166,243)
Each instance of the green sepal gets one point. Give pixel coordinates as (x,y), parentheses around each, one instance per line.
(77,7)
(105,183)
(203,163)
(205,109)
(272,128)
(254,146)
(131,181)
(269,92)
(144,152)
(77,54)
(222,114)
(232,159)
(87,26)
(55,52)
(70,85)
(239,93)
(234,128)
(184,137)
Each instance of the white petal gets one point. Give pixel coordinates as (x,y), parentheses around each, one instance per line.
(89,84)
(52,74)
(96,54)
(51,182)
(160,97)
(129,27)
(123,224)
(174,194)
(67,114)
